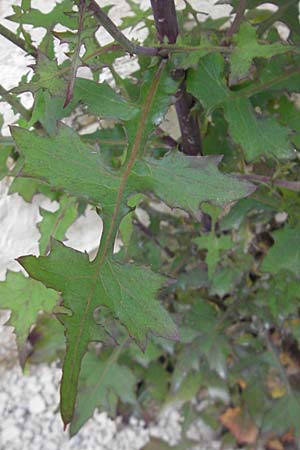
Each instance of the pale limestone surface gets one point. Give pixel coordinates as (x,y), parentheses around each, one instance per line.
(28,404)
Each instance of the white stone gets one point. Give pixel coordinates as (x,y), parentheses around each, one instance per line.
(36,404)
(281,217)
(9,434)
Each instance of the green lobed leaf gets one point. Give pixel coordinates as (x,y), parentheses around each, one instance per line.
(84,288)
(212,343)
(184,181)
(77,168)
(25,298)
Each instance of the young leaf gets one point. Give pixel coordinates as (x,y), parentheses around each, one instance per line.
(25,298)
(76,55)
(214,247)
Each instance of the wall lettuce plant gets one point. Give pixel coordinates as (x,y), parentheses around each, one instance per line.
(206,293)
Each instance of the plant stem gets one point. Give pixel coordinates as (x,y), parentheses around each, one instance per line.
(291,185)
(148,233)
(188,122)
(114,31)
(15,103)
(19,42)
(238,19)
(167,140)
(272,349)
(165,17)
(76,59)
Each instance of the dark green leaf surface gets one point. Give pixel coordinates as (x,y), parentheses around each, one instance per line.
(285,253)
(101,100)
(102,382)
(255,134)
(179,180)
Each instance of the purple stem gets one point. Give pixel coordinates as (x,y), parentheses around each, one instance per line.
(164,12)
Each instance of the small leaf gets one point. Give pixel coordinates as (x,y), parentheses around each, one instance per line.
(214,246)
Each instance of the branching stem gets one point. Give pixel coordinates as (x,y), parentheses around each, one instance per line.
(19,42)
(275,17)
(165,17)
(291,185)
(114,31)
(15,103)
(238,19)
